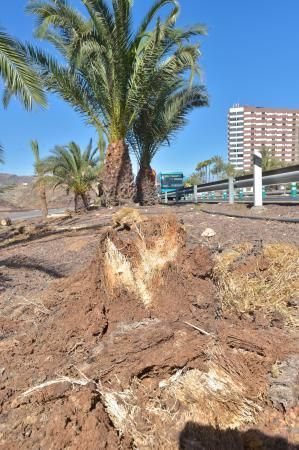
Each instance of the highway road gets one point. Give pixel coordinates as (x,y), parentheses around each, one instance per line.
(20,215)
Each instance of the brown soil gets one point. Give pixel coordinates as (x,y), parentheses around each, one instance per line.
(97,345)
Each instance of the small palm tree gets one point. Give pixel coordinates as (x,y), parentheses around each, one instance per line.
(270,162)
(194,179)
(20,79)
(40,184)
(230,170)
(74,169)
(111,70)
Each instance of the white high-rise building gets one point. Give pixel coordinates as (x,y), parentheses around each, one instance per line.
(253,127)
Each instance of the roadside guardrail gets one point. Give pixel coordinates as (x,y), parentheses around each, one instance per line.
(227,188)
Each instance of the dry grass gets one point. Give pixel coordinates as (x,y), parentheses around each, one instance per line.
(266,284)
(153,255)
(126,217)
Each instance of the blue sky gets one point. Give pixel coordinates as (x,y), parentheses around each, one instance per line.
(250,56)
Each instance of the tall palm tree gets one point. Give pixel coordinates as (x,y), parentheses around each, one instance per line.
(205,165)
(111,70)
(1,154)
(158,124)
(20,79)
(218,165)
(74,169)
(201,169)
(208,166)
(41,181)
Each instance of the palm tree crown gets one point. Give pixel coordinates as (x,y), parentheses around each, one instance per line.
(109,68)
(158,124)
(165,116)
(111,72)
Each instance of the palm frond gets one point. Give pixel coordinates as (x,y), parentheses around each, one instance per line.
(19,78)
(165,117)
(154,9)
(35,150)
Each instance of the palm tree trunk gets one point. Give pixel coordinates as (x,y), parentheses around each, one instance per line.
(85,201)
(76,202)
(146,186)
(118,180)
(43,202)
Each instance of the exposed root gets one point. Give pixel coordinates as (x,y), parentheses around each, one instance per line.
(83,381)
(214,398)
(118,268)
(62,379)
(198,329)
(153,255)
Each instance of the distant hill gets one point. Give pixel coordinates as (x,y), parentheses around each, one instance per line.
(9,179)
(20,194)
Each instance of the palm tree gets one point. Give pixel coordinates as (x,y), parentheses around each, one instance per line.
(20,79)
(208,166)
(201,169)
(111,71)
(74,169)
(205,165)
(41,181)
(218,166)
(230,170)
(158,124)
(194,179)
(270,162)
(1,155)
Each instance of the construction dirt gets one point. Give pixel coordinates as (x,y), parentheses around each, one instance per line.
(147,336)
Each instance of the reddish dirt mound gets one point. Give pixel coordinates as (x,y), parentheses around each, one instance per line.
(113,357)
